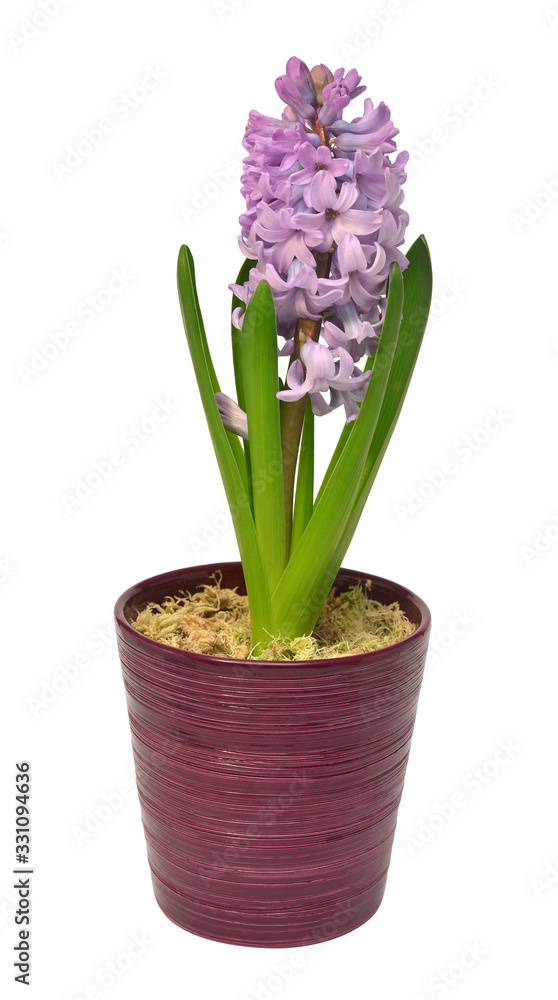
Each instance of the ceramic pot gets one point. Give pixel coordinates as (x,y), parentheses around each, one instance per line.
(269,790)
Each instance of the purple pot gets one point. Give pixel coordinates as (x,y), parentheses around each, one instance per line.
(269,791)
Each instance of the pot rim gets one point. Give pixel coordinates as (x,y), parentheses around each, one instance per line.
(140,641)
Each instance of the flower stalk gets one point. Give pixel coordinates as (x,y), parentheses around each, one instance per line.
(293,412)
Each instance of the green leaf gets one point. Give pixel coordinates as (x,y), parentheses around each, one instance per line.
(236,339)
(195,309)
(304,496)
(236,334)
(225,446)
(417,283)
(260,380)
(305,584)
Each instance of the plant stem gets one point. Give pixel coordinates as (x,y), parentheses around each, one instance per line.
(292,419)
(304,495)
(292,413)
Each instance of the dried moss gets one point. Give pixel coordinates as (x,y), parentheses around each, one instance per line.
(216,620)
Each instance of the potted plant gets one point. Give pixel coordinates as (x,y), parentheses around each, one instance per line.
(269,765)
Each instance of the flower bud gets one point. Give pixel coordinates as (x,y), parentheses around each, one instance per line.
(321,76)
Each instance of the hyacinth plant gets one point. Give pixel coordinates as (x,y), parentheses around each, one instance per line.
(325,274)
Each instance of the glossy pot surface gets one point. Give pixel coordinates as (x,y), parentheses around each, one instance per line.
(269,790)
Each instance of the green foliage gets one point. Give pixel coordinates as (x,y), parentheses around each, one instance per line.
(287,591)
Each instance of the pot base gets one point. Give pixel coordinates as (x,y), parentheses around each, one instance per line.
(270,928)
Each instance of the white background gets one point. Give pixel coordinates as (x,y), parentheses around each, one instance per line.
(480,546)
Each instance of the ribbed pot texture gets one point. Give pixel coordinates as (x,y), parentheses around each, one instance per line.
(269,790)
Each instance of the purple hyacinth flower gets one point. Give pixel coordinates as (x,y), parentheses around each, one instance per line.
(234,419)
(323,372)
(350,339)
(373,120)
(288,240)
(366,277)
(382,187)
(303,294)
(296,89)
(323,198)
(357,333)
(300,294)
(370,175)
(398,167)
(348,399)
(338,94)
(313,160)
(333,216)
